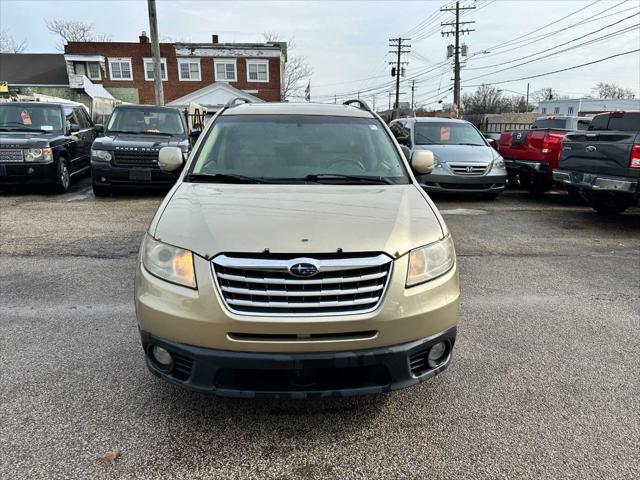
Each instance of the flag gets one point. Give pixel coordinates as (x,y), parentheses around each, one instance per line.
(307,92)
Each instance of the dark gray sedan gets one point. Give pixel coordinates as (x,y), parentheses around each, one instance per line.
(465,162)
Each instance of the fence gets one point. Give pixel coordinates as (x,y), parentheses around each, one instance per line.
(499,127)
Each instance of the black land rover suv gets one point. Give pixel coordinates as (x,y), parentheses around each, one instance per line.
(43,143)
(604,161)
(127,154)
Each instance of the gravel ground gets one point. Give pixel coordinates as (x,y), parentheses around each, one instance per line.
(544,382)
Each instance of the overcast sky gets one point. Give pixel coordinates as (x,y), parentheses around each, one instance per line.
(346,43)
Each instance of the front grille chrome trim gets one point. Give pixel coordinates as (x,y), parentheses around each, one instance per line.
(476,169)
(265,288)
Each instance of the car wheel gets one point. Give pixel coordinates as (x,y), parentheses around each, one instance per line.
(512,180)
(609,203)
(537,185)
(101,190)
(63,177)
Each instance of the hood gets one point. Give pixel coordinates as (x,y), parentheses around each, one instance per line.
(26,139)
(131,142)
(460,153)
(209,219)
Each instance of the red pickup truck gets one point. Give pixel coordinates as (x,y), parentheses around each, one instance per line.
(531,155)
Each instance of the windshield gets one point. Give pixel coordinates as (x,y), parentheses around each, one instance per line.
(146,120)
(446,133)
(30,117)
(291,148)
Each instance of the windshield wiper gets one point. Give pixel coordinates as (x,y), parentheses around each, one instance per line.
(472,144)
(317,177)
(128,132)
(222,178)
(23,129)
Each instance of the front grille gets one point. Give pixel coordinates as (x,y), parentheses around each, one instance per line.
(265,286)
(11,155)
(468,169)
(135,158)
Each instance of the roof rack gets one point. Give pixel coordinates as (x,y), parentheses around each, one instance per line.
(363,104)
(234,101)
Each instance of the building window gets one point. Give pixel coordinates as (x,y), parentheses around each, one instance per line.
(148,68)
(544,109)
(189,69)
(257,71)
(570,111)
(120,69)
(556,110)
(94,70)
(225,70)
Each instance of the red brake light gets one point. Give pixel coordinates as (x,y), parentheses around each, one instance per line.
(634,160)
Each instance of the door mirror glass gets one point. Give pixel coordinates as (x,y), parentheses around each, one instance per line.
(170,159)
(422,162)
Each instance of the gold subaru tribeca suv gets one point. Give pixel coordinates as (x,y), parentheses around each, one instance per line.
(297,257)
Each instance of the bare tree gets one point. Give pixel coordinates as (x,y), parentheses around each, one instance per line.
(486,99)
(296,70)
(10,45)
(75,31)
(611,90)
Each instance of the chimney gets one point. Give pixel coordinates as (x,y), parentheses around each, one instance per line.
(214,38)
(143,37)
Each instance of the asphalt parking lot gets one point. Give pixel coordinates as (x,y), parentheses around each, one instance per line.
(544,382)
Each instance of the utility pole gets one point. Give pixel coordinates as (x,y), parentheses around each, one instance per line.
(335,99)
(358,94)
(374,102)
(527,107)
(155,52)
(413,88)
(390,93)
(457,31)
(398,49)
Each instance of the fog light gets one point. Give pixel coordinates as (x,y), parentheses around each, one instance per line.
(103,179)
(161,356)
(437,354)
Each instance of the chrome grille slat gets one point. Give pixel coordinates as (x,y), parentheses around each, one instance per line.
(124,157)
(335,303)
(11,155)
(269,286)
(281,281)
(302,293)
(462,168)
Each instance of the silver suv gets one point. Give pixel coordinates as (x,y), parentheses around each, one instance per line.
(465,161)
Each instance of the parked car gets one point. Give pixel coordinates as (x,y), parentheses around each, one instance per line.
(297,256)
(127,154)
(531,155)
(43,143)
(604,161)
(465,161)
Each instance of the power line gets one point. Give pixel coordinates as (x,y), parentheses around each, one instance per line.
(557,71)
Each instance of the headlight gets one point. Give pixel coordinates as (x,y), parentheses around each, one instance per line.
(170,263)
(498,163)
(38,155)
(101,155)
(430,261)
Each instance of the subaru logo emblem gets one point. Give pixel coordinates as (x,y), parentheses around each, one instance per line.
(303,269)
(590,148)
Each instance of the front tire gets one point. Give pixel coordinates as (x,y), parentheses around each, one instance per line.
(609,203)
(63,176)
(101,190)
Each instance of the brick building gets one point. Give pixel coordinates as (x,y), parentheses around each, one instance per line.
(125,69)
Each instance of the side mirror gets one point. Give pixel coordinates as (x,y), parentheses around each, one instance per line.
(423,161)
(74,127)
(407,151)
(98,128)
(194,134)
(403,139)
(170,159)
(492,142)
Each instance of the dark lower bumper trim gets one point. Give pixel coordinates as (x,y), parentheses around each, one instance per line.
(295,375)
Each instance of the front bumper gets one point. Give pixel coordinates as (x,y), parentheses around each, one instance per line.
(441,180)
(596,182)
(298,375)
(27,173)
(107,174)
(527,166)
